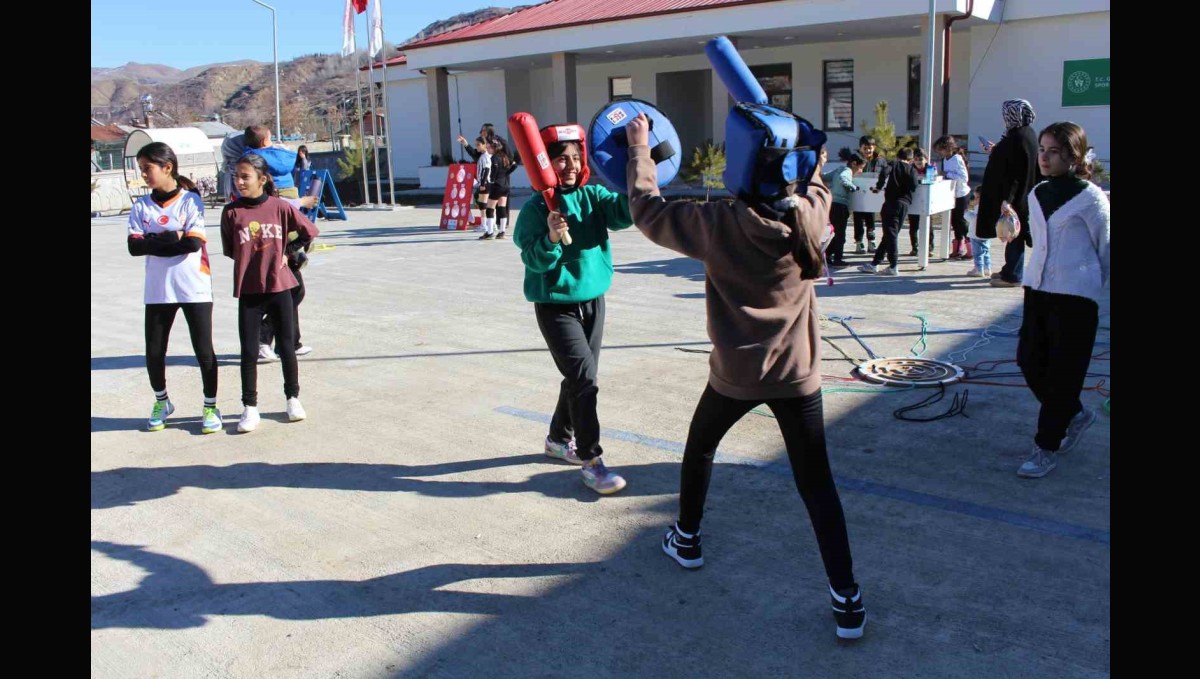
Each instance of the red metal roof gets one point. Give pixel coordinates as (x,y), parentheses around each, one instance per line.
(393,61)
(107,133)
(563,13)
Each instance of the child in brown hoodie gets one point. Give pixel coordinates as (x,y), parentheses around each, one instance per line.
(759,262)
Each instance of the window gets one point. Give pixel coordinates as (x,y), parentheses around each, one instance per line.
(839,95)
(620,88)
(776,81)
(914,92)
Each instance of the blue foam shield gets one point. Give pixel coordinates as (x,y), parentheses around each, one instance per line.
(608,148)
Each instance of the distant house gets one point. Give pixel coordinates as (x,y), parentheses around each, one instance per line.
(369,124)
(110,145)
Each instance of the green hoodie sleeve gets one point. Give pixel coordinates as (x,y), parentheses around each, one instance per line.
(530,235)
(614,206)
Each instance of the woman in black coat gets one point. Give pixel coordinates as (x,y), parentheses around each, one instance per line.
(1011,173)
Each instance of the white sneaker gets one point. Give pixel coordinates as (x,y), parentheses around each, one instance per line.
(306,349)
(987,273)
(975,273)
(889,271)
(868,268)
(265,354)
(295,411)
(249,419)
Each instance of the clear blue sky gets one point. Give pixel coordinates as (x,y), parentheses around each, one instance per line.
(185,34)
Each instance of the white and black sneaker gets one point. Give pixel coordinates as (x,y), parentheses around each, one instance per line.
(849,612)
(684,548)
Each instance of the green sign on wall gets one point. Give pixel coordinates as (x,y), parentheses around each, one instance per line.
(1085,82)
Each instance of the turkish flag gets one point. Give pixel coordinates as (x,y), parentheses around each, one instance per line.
(360,6)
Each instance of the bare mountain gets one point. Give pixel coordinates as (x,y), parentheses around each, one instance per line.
(461,20)
(240,92)
(146,74)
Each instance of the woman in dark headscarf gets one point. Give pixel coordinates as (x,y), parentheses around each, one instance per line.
(1010,175)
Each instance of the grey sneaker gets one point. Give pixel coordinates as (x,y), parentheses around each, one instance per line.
(1040,463)
(562,451)
(870,246)
(1001,283)
(1075,429)
(868,268)
(859,248)
(889,271)
(597,477)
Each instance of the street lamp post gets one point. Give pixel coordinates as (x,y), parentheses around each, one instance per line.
(275,52)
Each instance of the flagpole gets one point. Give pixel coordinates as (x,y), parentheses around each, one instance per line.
(387,119)
(374,111)
(362,138)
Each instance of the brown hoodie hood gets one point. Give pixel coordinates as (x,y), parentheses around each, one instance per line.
(762,316)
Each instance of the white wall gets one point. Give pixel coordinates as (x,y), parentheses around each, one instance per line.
(481,96)
(409,112)
(1025,62)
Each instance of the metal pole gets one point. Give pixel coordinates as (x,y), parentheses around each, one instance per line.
(927,139)
(275,52)
(387,135)
(374,125)
(362,138)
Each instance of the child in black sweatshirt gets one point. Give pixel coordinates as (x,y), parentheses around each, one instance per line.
(898,180)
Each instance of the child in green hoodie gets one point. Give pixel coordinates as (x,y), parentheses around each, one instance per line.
(566,283)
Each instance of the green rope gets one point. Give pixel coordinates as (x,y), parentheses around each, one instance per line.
(921,341)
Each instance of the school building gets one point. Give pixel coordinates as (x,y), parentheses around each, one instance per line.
(828,61)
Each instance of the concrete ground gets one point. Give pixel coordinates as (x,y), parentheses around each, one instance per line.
(412,527)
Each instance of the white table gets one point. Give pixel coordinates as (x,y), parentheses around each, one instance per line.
(928,199)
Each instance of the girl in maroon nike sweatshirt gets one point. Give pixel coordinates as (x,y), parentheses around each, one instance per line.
(255,231)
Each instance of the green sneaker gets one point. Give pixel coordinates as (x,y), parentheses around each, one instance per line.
(158,415)
(212,420)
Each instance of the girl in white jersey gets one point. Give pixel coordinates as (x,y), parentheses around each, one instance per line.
(167,228)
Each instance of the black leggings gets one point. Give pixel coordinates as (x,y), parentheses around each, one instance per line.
(277,305)
(958,217)
(801,420)
(267,334)
(159,319)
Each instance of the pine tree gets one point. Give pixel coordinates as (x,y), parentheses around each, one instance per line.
(708,165)
(884,132)
(350,165)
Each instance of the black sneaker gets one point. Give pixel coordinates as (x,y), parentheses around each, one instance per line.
(849,613)
(685,551)
(500,236)
(486,236)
